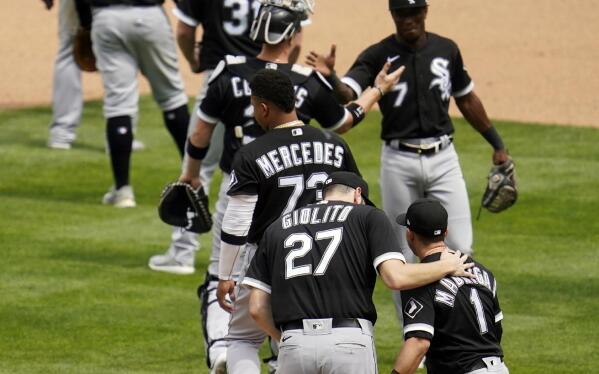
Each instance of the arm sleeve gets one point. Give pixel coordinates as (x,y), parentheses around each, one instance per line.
(244,180)
(461,82)
(214,104)
(381,238)
(326,109)
(362,73)
(190,12)
(258,274)
(418,311)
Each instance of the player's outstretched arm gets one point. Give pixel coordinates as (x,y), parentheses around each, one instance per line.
(186,39)
(410,355)
(196,149)
(383,84)
(261,312)
(325,65)
(473,110)
(398,275)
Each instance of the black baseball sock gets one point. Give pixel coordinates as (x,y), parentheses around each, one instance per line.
(120,137)
(177,121)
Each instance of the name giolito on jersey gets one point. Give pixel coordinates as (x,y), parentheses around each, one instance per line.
(316,215)
(297,154)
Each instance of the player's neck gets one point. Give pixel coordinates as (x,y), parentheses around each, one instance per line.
(289,121)
(274,53)
(432,249)
(415,44)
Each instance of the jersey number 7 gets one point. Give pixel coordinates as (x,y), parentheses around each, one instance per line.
(297,182)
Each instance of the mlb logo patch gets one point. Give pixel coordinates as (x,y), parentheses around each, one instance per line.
(413,307)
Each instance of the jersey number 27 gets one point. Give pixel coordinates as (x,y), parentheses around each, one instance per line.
(306,243)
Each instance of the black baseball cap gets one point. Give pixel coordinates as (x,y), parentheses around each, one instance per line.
(403,4)
(349,179)
(426,217)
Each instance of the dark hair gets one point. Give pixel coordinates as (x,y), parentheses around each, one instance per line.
(274,86)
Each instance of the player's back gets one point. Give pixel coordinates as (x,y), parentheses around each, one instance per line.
(466,315)
(286,169)
(322,259)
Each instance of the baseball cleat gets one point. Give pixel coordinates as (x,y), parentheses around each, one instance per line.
(65,146)
(169,263)
(137,145)
(121,198)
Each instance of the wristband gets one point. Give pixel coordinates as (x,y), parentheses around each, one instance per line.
(492,136)
(357,113)
(194,152)
(394,372)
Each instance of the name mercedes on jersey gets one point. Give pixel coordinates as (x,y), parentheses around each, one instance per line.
(453,284)
(298,154)
(316,215)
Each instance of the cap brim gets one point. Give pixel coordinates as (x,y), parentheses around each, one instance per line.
(401,219)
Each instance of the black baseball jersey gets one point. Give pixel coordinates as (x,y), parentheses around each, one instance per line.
(228,101)
(101,3)
(286,168)
(461,317)
(417,106)
(226,27)
(320,261)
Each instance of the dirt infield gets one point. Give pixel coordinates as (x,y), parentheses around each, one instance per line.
(532,60)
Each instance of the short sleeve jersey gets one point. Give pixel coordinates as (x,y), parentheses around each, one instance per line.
(461,317)
(417,107)
(228,101)
(286,168)
(320,261)
(226,27)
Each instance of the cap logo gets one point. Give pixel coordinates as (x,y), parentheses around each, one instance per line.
(328,181)
(437,232)
(408,221)
(412,2)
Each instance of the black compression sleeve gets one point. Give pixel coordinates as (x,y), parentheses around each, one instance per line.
(492,136)
(196,152)
(357,113)
(85,13)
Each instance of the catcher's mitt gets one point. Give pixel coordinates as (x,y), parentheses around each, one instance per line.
(501,192)
(82,50)
(182,206)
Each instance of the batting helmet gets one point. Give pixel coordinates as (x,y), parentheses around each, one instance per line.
(279,20)
(403,4)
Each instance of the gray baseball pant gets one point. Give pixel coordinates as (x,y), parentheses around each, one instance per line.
(67,100)
(407,176)
(319,348)
(128,39)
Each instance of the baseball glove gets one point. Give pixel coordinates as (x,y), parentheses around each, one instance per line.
(182,206)
(501,192)
(82,50)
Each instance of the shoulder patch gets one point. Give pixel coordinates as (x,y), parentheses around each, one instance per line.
(302,70)
(413,307)
(324,80)
(217,71)
(234,60)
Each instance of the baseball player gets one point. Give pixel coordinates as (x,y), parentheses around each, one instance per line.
(222,35)
(314,274)
(455,321)
(418,158)
(67,96)
(130,36)
(67,101)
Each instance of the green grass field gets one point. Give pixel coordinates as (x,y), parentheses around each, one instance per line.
(76,295)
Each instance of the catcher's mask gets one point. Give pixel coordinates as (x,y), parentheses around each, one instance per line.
(279,20)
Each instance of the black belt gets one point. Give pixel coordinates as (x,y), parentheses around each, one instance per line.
(480,364)
(420,149)
(337,322)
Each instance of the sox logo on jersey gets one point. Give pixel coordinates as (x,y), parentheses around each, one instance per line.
(439,69)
